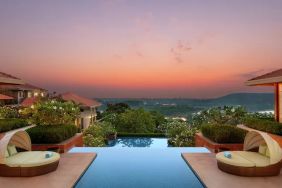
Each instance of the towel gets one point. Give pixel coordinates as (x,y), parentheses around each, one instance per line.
(227,154)
(48,155)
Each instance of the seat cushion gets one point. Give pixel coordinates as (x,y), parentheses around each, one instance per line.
(12,150)
(6,153)
(235,160)
(31,159)
(257,158)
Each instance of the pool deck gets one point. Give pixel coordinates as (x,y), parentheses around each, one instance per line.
(204,164)
(71,167)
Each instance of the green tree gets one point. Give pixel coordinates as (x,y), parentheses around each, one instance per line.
(117,108)
(136,121)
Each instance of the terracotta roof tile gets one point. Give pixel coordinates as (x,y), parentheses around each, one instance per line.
(80,100)
(27,102)
(5,97)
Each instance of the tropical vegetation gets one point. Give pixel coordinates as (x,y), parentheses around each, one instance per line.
(96,135)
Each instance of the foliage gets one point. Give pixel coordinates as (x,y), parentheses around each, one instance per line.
(159,120)
(53,112)
(180,134)
(264,125)
(265,116)
(96,134)
(117,108)
(8,112)
(10,124)
(92,141)
(223,133)
(135,121)
(156,135)
(51,134)
(226,115)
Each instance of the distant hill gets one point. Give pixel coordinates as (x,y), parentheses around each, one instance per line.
(185,107)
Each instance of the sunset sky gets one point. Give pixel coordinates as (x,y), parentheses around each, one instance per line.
(135,48)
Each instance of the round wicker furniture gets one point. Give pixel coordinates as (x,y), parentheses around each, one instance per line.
(262,156)
(27,163)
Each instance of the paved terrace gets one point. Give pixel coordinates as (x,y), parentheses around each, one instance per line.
(205,166)
(71,167)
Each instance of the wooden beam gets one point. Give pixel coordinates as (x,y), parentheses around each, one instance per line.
(276,104)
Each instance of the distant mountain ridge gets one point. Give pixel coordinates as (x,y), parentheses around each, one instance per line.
(184,107)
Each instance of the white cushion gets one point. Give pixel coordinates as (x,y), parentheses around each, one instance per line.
(6,153)
(12,150)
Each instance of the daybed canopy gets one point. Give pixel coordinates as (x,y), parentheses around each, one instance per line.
(19,138)
(254,139)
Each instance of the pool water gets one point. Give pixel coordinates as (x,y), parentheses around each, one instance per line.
(139,167)
(138,142)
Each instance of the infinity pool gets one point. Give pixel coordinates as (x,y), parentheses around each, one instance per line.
(139,142)
(139,167)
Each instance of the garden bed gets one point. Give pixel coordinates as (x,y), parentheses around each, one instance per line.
(11,124)
(63,147)
(201,141)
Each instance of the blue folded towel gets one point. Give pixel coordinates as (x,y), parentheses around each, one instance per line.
(227,154)
(48,155)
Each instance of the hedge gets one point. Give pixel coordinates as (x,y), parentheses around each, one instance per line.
(264,125)
(223,133)
(11,124)
(157,135)
(51,134)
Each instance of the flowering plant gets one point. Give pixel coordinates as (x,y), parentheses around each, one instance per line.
(53,112)
(8,112)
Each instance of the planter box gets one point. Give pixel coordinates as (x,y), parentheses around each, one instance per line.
(63,147)
(214,147)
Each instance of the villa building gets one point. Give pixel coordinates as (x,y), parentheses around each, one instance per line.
(87,108)
(18,90)
(271,79)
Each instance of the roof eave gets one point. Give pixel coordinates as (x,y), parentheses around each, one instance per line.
(264,82)
(11,81)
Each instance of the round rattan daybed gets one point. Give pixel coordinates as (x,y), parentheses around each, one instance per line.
(26,163)
(262,156)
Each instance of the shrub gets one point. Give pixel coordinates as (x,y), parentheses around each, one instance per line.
(227,115)
(8,112)
(51,134)
(53,112)
(264,125)
(10,124)
(180,134)
(265,116)
(156,135)
(223,133)
(96,134)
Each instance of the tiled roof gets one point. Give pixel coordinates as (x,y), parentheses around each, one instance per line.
(20,87)
(268,78)
(80,100)
(27,102)
(4,75)
(5,97)
(9,79)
